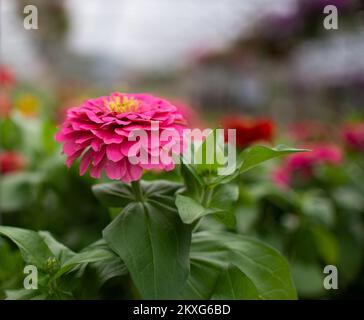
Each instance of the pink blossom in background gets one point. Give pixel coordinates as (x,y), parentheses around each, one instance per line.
(353,135)
(309,131)
(303,164)
(98,131)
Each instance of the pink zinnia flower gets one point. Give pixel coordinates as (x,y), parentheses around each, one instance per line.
(303,164)
(100,131)
(354,136)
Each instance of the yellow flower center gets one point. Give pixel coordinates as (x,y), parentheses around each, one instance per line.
(126,105)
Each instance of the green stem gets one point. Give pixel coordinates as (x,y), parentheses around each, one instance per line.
(138,191)
(207,196)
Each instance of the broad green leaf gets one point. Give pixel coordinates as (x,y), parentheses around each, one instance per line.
(60,251)
(224,197)
(154,244)
(222,202)
(252,157)
(114,194)
(256,155)
(263,265)
(189,209)
(94,253)
(160,188)
(232,284)
(109,268)
(119,194)
(205,270)
(31,245)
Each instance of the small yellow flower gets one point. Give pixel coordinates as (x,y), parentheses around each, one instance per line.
(27,104)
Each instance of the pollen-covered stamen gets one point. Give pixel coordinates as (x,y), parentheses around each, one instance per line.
(126,105)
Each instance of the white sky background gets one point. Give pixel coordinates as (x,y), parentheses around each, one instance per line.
(143,34)
(157,33)
(163,34)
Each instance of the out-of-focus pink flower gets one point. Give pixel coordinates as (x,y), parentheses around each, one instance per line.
(353,135)
(7,78)
(309,131)
(302,165)
(281,177)
(99,133)
(11,161)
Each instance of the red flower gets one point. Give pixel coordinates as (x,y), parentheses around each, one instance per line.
(7,78)
(11,161)
(249,131)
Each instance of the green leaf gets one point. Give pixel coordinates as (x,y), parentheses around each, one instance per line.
(222,202)
(222,199)
(96,252)
(154,244)
(261,264)
(256,155)
(119,194)
(192,180)
(31,245)
(232,284)
(114,194)
(252,157)
(60,251)
(109,268)
(160,188)
(206,266)
(189,209)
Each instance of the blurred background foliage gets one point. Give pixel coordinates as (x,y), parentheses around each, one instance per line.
(266,68)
